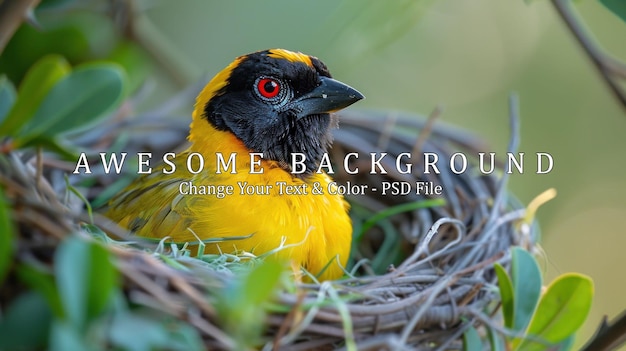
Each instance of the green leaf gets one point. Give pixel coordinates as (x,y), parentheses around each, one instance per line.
(618,7)
(78,100)
(136,63)
(496,340)
(62,35)
(52,144)
(471,340)
(561,311)
(86,279)
(506,295)
(38,81)
(7,96)
(526,280)
(6,237)
(43,282)
(260,284)
(26,323)
(126,327)
(156,333)
(65,337)
(242,304)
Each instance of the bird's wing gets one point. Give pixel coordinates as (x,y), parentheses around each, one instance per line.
(152,206)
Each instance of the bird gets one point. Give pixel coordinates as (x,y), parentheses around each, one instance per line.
(271,103)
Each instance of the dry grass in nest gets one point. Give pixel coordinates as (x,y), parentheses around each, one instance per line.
(444,283)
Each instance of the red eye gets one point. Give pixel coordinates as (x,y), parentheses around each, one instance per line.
(268,88)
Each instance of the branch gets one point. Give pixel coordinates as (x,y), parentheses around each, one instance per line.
(609,68)
(12,14)
(609,336)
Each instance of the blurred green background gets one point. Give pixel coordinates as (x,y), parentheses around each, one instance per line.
(411,56)
(467,56)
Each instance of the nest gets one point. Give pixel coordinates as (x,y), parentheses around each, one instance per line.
(439,282)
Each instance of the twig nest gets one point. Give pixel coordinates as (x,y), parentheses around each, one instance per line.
(422,276)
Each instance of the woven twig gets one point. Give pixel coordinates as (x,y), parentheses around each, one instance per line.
(445,284)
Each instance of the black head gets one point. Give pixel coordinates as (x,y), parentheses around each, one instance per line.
(279,102)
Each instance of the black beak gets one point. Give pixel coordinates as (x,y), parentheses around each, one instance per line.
(331,95)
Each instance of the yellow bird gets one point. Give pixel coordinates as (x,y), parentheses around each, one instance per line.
(272,103)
